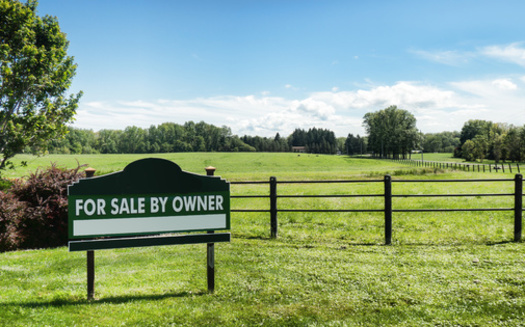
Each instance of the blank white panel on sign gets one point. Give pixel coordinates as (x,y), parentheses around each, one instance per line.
(117,226)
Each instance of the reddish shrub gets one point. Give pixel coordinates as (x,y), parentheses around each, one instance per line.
(11,211)
(36,214)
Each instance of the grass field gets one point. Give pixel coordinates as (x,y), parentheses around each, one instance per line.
(238,166)
(454,269)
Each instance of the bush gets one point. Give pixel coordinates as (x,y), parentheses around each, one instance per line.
(11,211)
(33,213)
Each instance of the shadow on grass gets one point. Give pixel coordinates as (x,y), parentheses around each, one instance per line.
(306,243)
(502,242)
(107,300)
(451,244)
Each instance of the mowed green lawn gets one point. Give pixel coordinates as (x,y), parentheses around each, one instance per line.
(453,269)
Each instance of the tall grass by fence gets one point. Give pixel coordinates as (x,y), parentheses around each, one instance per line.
(387,195)
(474,167)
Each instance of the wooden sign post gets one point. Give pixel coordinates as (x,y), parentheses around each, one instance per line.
(150,197)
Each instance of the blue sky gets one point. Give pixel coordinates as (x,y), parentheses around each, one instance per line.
(262,67)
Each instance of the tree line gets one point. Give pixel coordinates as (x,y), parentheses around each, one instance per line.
(481,139)
(189,137)
(391,133)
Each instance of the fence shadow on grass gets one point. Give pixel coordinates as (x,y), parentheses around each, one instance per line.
(106,300)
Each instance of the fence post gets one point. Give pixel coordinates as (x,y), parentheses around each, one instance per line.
(210,249)
(518,206)
(273,207)
(388,209)
(90,255)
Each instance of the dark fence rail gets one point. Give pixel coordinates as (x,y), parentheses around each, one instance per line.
(474,167)
(387,195)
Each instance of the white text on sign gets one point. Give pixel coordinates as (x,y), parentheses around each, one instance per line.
(148,205)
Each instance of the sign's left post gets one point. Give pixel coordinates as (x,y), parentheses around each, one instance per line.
(90,254)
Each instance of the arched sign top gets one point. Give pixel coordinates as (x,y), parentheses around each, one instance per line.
(149,176)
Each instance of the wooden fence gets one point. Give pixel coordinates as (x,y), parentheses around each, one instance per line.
(387,196)
(474,167)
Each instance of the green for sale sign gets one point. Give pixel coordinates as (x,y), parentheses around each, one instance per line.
(149,197)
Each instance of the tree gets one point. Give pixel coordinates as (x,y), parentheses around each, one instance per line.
(468,150)
(480,147)
(35,73)
(133,140)
(107,141)
(472,128)
(475,148)
(512,144)
(497,137)
(521,145)
(391,132)
(354,144)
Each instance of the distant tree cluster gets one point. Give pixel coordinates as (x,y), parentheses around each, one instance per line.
(444,142)
(190,137)
(267,144)
(354,145)
(315,140)
(391,132)
(481,139)
(166,137)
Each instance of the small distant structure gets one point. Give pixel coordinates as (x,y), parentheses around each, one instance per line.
(299,149)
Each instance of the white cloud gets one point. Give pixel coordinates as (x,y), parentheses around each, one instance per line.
(451,58)
(435,108)
(504,84)
(319,109)
(487,88)
(494,99)
(511,53)
(409,94)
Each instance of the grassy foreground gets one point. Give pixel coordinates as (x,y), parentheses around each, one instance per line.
(323,270)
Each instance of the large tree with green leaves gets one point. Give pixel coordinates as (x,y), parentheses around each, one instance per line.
(391,132)
(35,74)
